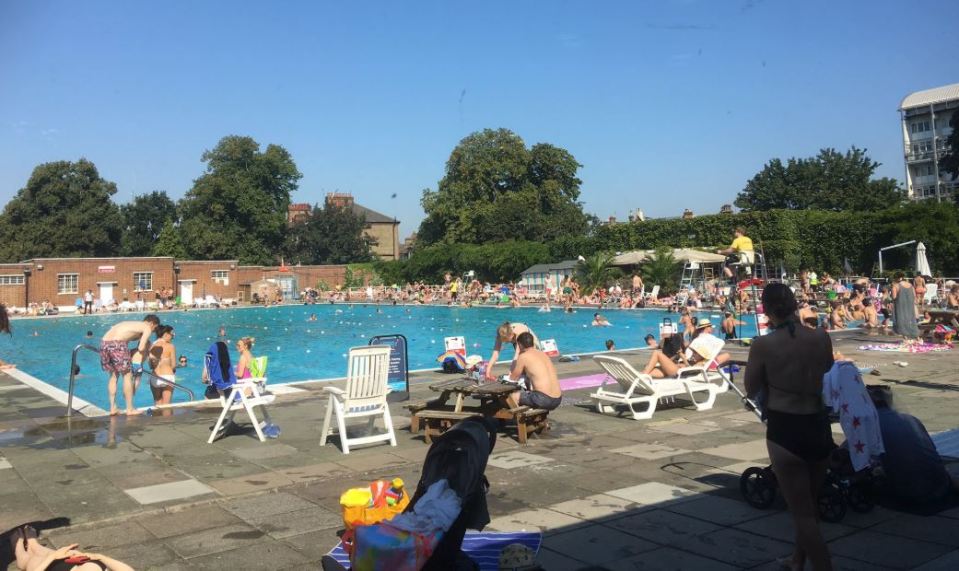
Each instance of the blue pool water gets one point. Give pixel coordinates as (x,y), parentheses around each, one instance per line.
(300,349)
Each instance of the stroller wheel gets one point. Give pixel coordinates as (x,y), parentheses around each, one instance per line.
(860,499)
(758,487)
(832,504)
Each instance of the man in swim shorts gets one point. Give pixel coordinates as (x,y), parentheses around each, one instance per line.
(544,390)
(115,357)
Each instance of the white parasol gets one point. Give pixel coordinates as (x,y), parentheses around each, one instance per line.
(922,263)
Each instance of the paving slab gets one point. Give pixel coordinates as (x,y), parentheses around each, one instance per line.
(738,547)
(929,528)
(539,519)
(595,507)
(215,540)
(948,562)
(662,527)
(170,491)
(653,494)
(669,559)
(889,550)
(779,525)
(264,505)
(515,459)
(187,520)
(261,482)
(649,451)
(268,554)
(288,524)
(717,509)
(100,537)
(743,451)
(597,544)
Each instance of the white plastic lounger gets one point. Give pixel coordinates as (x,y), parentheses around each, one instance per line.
(641,389)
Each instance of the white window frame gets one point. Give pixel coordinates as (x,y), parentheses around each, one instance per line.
(62,286)
(136,281)
(12,279)
(221,277)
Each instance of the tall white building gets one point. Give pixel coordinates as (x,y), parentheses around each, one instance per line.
(925,126)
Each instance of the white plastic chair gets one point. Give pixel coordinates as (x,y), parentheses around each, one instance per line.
(364,397)
(653,294)
(641,389)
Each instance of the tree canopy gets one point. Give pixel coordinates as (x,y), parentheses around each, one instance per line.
(143,219)
(330,235)
(238,207)
(169,242)
(64,210)
(495,189)
(829,181)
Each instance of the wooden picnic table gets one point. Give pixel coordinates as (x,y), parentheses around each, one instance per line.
(494,403)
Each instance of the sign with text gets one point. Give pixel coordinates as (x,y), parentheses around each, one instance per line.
(106,269)
(549,347)
(399,362)
(456,345)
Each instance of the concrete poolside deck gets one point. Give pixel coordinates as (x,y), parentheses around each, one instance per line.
(607,491)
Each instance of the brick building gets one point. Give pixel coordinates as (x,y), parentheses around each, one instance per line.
(382,228)
(61,281)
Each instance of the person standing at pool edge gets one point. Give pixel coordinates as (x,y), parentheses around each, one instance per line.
(507,333)
(115,356)
(163,360)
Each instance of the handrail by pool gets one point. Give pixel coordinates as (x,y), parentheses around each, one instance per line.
(73,377)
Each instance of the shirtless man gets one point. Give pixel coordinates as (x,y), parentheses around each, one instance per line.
(540,374)
(507,333)
(115,356)
(729,325)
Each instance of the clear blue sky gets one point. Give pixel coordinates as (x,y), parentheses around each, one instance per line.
(667,105)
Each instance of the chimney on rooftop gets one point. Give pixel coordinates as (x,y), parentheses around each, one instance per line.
(339,199)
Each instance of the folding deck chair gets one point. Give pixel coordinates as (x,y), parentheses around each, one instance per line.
(234,394)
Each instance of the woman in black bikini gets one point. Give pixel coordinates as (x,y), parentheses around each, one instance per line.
(786,367)
(33,556)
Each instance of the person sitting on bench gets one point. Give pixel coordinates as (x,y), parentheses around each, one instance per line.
(544,390)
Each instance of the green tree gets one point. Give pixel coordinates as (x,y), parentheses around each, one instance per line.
(238,207)
(829,181)
(64,210)
(495,189)
(661,269)
(330,235)
(143,219)
(169,243)
(596,272)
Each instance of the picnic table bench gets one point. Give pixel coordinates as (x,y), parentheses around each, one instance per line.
(437,415)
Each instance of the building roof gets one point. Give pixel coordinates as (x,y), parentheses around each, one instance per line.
(543,268)
(930,96)
(680,254)
(372,216)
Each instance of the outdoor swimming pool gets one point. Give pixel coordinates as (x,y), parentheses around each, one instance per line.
(300,349)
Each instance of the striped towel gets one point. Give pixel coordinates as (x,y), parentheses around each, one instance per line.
(483,547)
(947,443)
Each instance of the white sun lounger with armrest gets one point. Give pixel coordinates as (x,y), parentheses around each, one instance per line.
(641,389)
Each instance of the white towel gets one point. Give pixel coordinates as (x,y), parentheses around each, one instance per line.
(844,391)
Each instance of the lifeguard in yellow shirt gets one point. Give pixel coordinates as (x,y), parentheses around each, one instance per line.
(742,244)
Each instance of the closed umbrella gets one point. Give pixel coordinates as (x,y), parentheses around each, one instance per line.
(922,263)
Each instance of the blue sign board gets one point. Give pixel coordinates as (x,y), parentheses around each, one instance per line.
(399,367)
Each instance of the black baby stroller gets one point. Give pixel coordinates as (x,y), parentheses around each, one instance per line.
(458,456)
(843,487)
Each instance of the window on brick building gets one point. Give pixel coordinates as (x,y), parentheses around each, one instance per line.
(12,280)
(142,281)
(68,283)
(221,277)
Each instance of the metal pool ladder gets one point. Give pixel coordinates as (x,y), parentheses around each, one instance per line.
(73,377)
